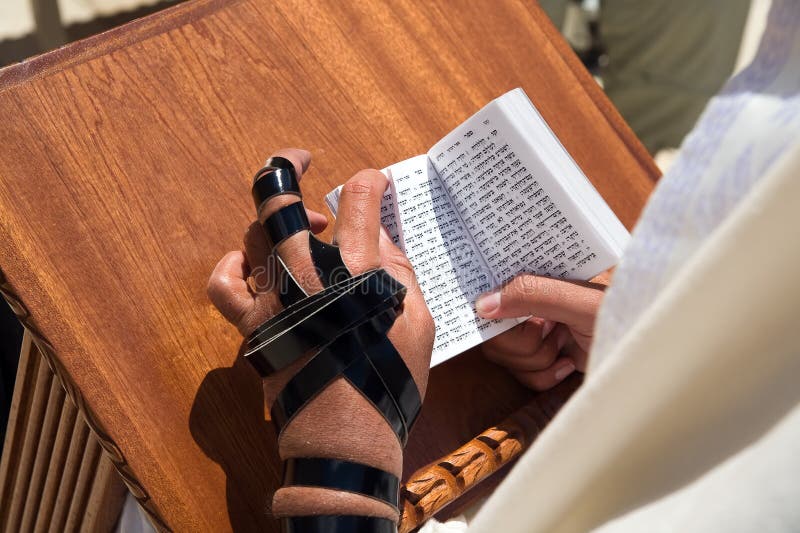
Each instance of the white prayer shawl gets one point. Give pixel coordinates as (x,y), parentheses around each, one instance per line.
(689,418)
(691,422)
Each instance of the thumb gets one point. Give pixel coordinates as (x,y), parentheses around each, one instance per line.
(569,302)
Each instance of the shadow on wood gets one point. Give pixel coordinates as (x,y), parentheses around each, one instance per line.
(227,422)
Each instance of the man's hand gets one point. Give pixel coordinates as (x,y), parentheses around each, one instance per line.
(241,284)
(548,347)
(339,422)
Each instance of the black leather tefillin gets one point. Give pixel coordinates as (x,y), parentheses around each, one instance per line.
(344,326)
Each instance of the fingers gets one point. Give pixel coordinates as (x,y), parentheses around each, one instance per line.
(358,222)
(256,249)
(293,250)
(568,302)
(523,349)
(551,363)
(227,287)
(301,159)
(578,354)
(519,342)
(547,378)
(537,363)
(317,220)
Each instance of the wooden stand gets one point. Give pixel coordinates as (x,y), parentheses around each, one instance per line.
(52,475)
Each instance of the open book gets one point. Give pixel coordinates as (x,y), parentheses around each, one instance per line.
(497,196)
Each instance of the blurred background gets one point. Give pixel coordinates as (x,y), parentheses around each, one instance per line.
(658,60)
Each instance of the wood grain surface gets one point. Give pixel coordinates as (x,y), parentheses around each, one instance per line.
(125,163)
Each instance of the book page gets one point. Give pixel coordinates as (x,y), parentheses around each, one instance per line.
(449,269)
(520,216)
(419,217)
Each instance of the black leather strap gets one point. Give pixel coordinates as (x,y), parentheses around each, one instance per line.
(286,222)
(318,320)
(361,374)
(289,291)
(270,182)
(328,260)
(372,287)
(330,268)
(342,475)
(279,162)
(346,356)
(338,524)
(298,311)
(276,178)
(397,378)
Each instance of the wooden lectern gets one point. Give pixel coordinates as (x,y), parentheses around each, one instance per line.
(125,166)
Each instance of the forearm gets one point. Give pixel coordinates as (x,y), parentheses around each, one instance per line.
(339,423)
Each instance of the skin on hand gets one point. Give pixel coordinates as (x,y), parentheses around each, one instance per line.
(548,347)
(339,422)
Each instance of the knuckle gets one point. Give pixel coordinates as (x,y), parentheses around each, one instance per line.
(357,258)
(399,263)
(363,184)
(217,287)
(526,285)
(538,288)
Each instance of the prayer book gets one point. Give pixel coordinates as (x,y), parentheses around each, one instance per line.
(497,196)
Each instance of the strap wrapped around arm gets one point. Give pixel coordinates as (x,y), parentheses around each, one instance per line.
(356,348)
(346,356)
(342,475)
(338,524)
(319,319)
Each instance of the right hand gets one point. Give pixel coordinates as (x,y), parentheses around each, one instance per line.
(555,342)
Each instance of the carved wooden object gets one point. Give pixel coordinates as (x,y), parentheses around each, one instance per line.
(433,487)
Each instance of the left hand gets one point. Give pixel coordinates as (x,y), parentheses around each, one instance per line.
(548,347)
(338,422)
